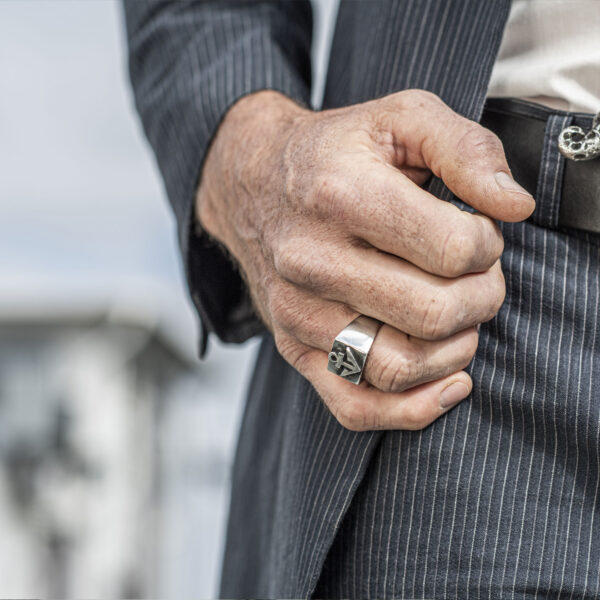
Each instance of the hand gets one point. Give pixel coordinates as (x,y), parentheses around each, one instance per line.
(324,213)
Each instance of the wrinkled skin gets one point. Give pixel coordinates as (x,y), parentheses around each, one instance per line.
(326,217)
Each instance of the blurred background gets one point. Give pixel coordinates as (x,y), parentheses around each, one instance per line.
(115,441)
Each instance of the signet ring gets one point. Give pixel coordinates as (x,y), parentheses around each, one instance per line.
(351,347)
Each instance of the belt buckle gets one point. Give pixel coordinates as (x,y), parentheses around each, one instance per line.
(576,144)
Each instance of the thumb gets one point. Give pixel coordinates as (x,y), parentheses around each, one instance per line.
(468,157)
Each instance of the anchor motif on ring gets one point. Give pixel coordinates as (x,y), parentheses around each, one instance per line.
(350,368)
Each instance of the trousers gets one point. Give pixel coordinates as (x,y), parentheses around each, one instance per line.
(500,498)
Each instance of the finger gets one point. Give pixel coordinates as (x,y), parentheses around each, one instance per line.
(396,361)
(388,210)
(364,407)
(468,157)
(392,290)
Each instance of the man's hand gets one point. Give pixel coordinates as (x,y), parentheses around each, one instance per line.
(325,215)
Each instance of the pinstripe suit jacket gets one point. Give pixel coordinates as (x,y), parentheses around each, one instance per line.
(497,498)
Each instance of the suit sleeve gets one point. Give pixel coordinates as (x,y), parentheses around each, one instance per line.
(188,63)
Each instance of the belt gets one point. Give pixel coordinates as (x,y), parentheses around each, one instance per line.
(521,126)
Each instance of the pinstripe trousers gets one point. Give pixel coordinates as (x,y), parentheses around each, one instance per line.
(501,497)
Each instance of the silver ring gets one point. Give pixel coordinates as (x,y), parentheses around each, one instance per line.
(351,347)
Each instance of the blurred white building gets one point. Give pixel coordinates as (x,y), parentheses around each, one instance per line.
(115,446)
(115,442)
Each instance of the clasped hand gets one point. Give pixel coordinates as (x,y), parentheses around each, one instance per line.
(326,216)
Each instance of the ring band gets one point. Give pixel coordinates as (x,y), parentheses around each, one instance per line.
(351,347)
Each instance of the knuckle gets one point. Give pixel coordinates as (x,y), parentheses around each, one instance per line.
(308,268)
(354,416)
(416,416)
(493,292)
(292,262)
(393,373)
(490,242)
(420,98)
(300,358)
(436,321)
(477,141)
(465,353)
(458,254)
(329,194)
(472,342)
(497,289)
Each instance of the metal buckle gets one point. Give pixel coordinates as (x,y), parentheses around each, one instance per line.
(576,144)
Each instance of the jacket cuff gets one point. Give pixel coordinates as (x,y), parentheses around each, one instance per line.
(217,288)
(189,63)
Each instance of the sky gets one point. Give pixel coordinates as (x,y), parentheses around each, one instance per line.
(83,217)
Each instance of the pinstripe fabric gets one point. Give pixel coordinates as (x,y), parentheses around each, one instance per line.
(189,62)
(497,499)
(548,211)
(294,482)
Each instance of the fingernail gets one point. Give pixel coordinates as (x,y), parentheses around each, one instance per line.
(453,394)
(506,182)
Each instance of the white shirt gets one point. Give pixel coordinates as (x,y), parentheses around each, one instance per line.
(550,54)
